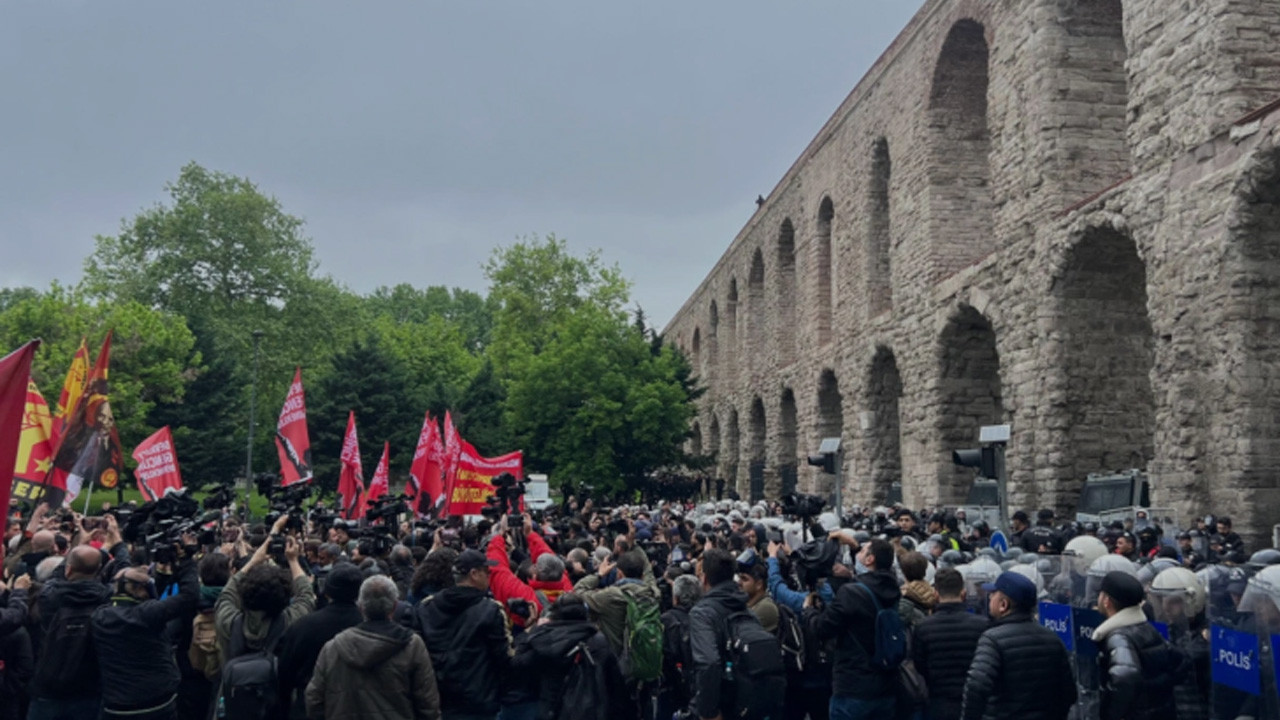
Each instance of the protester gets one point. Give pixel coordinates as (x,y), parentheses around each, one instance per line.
(262,600)
(677,656)
(301,644)
(377,669)
(721,598)
(1020,669)
(943,645)
(576,672)
(1138,667)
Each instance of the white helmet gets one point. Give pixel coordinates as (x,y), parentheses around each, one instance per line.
(1031,573)
(1099,569)
(1176,595)
(1083,550)
(1262,597)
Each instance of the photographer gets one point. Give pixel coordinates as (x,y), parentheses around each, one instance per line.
(263,594)
(135,652)
(549,577)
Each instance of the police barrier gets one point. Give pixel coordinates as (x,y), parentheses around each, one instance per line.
(1242,638)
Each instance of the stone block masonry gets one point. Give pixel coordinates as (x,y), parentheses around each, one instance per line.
(1059,214)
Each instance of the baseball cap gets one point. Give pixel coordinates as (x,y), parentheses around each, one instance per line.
(471,560)
(1018,588)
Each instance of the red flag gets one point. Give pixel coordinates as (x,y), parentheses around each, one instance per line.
(72,391)
(35,452)
(89,449)
(351,479)
(473,483)
(157,465)
(292,442)
(424,476)
(15,373)
(381,484)
(452,449)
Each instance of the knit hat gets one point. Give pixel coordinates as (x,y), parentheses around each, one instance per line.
(1123,589)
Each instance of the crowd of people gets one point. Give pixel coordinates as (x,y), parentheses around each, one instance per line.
(674,610)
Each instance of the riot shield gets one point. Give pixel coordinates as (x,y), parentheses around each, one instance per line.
(1177,601)
(1242,644)
(982,571)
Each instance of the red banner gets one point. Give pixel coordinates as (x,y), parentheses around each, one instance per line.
(473,483)
(351,479)
(452,449)
(15,373)
(35,451)
(89,449)
(72,391)
(157,465)
(381,484)
(425,475)
(292,442)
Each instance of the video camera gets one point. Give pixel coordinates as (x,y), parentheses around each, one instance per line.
(161,524)
(506,499)
(802,505)
(284,501)
(387,509)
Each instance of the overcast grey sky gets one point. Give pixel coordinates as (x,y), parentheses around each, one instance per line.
(413,137)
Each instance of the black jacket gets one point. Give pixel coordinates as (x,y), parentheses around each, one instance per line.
(135,651)
(1020,670)
(301,645)
(707,641)
(547,653)
(851,619)
(467,635)
(1139,670)
(17,664)
(942,647)
(677,656)
(57,594)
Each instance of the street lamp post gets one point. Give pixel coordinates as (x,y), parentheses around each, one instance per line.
(253,411)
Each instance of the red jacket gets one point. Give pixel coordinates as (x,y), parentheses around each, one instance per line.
(505,585)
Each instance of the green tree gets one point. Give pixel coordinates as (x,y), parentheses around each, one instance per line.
(468,311)
(479,413)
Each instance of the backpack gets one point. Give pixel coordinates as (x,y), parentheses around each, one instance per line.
(791,639)
(250,678)
(753,669)
(68,663)
(642,640)
(205,653)
(583,696)
(891,637)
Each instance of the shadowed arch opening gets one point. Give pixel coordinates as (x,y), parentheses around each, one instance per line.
(879,239)
(732,348)
(757,451)
(970,391)
(786,305)
(697,350)
(713,439)
(882,432)
(830,421)
(695,439)
(788,457)
(731,445)
(756,311)
(1109,354)
(713,339)
(959,148)
(822,264)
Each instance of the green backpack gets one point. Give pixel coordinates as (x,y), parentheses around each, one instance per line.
(642,640)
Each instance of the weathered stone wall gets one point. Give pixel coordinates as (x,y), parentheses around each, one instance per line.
(1042,212)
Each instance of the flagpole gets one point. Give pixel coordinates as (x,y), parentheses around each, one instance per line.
(87,496)
(253,408)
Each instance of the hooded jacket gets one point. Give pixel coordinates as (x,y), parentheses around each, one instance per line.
(1138,668)
(375,671)
(466,632)
(707,640)
(548,653)
(1020,670)
(851,620)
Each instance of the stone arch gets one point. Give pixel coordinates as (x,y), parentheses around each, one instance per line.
(879,237)
(713,438)
(713,339)
(1108,355)
(787,301)
(830,420)
(759,432)
(697,349)
(695,439)
(882,425)
(970,392)
(959,149)
(732,348)
(1090,97)
(756,311)
(732,447)
(822,265)
(788,450)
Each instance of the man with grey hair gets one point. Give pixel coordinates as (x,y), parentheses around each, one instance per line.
(376,669)
(549,580)
(677,656)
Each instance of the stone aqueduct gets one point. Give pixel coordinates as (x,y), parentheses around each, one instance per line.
(1060,214)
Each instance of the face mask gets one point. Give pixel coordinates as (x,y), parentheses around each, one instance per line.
(859,568)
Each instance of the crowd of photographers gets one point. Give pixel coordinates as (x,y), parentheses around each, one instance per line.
(672,609)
